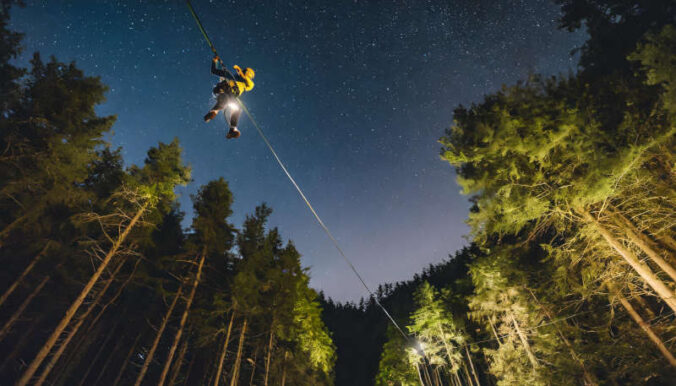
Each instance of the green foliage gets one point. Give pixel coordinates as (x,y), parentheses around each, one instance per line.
(536,155)
(162,171)
(311,335)
(501,301)
(212,208)
(540,297)
(395,367)
(614,28)
(536,150)
(10,48)
(106,173)
(657,56)
(50,137)
(436,330)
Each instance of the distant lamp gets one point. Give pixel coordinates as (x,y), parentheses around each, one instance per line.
(420,348)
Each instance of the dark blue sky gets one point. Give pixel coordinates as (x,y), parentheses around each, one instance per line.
(353,95)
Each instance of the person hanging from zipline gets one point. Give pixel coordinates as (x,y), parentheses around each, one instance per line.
(227,90)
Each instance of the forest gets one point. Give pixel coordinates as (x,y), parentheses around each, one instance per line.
(569,276)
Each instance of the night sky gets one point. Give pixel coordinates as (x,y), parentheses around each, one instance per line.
(352,94)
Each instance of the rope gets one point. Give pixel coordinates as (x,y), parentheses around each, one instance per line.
(199,24)
(300,191)
(319,220)
(328,232)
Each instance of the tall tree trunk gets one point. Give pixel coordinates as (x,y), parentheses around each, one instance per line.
(179,360)
(443,339)
(76,352)
(253,369)
(588,378)
(151,354)
(111,355)
(645,306)
(6,328)
(113,298)
(452,379)
(286,355)
(188,372)
(426,372)
(437,377)
(525,343)
(51,341)
(469,378)
(226,342)
(666,294)
(184,318)
(209,375)
(25,272)
(645,327)
(238,359)
(269,353)
(62,347)
(640,241)
(469,358)
(417,367)
(20,343)
(457,378)
(205,377)
(495,332)
(75,349)
(6,230)
(126,360)
(666,240)
(98,354)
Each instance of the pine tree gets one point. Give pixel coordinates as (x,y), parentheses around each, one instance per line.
(10,48)
(436,330)
(541,153)
(152,184)
(398,362)
(51,139)
(314,347)
(211,240)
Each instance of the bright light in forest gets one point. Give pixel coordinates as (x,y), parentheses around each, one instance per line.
(508,199)
(421,347)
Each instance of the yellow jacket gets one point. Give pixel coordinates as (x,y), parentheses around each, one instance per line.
(243,81)
(239,83)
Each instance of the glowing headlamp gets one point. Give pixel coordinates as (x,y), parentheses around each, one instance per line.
(233,106)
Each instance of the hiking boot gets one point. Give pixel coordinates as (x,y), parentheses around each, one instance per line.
(233,133)
(210,115)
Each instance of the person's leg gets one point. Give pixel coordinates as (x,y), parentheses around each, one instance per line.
(234,117)
(233,112)
(221,100)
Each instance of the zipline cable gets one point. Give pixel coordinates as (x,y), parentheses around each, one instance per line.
(326,229)
(300,191)
(319,220)
(199,25)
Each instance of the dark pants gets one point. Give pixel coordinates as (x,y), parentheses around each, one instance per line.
(222,103)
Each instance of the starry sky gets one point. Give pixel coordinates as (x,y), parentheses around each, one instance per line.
(353,94)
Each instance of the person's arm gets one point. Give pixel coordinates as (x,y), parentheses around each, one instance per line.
(248,83)
(218,71)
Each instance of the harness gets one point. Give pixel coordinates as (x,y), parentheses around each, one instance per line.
(227,86)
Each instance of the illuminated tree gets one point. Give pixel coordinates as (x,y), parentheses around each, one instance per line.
(396,367)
